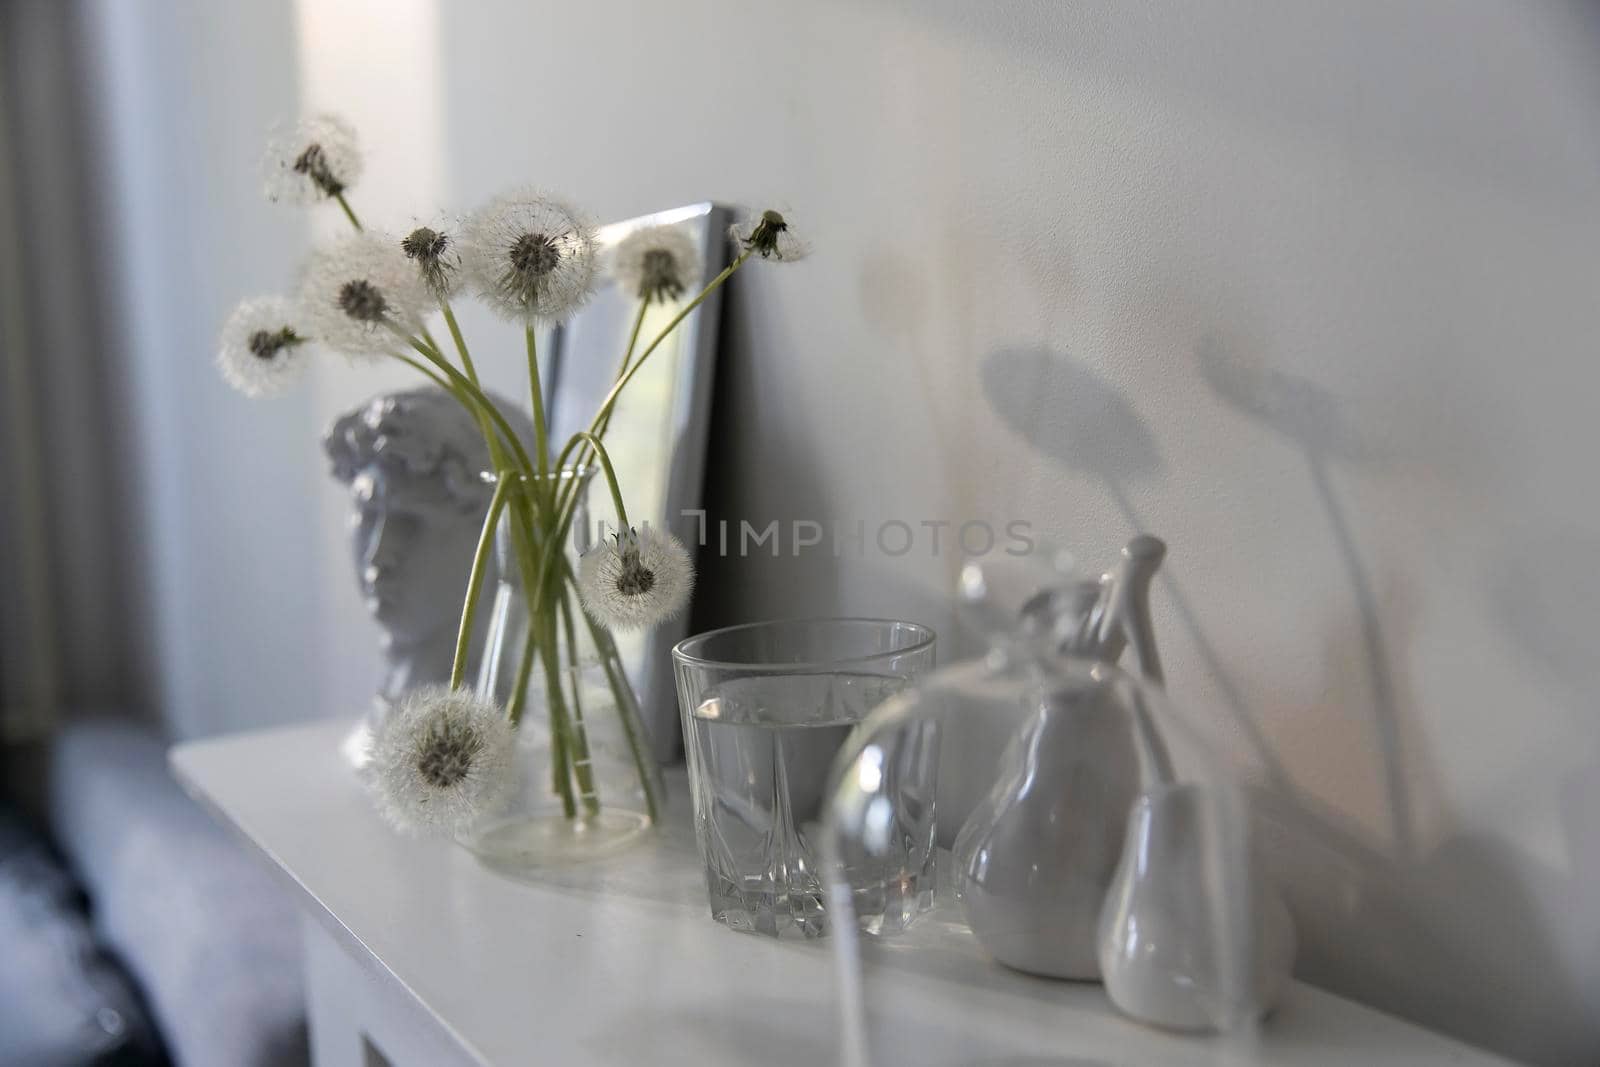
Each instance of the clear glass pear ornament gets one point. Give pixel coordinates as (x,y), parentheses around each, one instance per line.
(1111,842)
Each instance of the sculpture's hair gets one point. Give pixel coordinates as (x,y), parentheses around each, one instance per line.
(424,433)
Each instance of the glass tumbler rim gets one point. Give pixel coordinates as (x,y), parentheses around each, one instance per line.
(683,653)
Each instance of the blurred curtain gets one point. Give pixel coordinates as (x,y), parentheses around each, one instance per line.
(63,627)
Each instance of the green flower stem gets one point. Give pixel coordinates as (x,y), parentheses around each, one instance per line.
(523,539)
(560,729)
(632,725)
(472,391)
(349,214)
(519,692)
(555,563)
(627,707)
(603,416)
(478,399)
(627,357)
(433,344)
(480,564)
(496,450)
(455,332)
(633,338)
(569,750)
(567,505)
(570,754)
(611,477)
(528,567)
(526,563)
(541,438)
(565,743)
(569,745)
(523,527)
(431,376)
(497,454)
(461,342)
(540,639)
(575,748)
(683,313)
(461,346)
(538,546)
(567,508)
(567,501)
(582,762)
(511,491)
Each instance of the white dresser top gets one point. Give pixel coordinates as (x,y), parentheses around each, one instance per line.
(620,963)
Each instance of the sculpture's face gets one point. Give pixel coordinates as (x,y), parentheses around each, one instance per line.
(413,551)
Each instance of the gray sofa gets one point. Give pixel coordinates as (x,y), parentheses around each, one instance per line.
(208,935)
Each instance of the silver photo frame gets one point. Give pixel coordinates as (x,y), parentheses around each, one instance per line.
(657,436)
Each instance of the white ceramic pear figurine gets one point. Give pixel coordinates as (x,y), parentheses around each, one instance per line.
(1166,956)
(1034,860)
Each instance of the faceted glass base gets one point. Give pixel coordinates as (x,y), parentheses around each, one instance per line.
(796,914)
(800,912)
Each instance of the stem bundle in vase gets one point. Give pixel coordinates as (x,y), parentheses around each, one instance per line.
(443,758)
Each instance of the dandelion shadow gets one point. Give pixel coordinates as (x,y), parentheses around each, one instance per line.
(1387,927)
(1544,592)
(1447,940)
(1067,412)
(1308,415)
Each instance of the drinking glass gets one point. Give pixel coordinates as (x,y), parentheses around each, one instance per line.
(765,708)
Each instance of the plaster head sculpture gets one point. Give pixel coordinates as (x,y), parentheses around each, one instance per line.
(414,462)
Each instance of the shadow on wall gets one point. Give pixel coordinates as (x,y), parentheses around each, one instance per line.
(1068,413)
(1452,936)
(1309,417)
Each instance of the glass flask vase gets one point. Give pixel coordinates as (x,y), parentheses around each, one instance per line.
(587,786)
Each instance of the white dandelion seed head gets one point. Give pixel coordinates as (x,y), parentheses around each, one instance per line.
(657,263)
(770,235)
(441,760)
(435,254)
(635,579)
(262,351)
(313,159)
(354,290)
(530,256)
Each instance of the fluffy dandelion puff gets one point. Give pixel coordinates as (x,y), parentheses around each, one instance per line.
(436,257)
(360,289)
(635,579)
(530,257)
(262,352)
(657,263)
(317,158)
(769,235)
(441,760)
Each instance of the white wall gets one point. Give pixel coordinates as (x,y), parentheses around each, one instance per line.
(1306,289)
